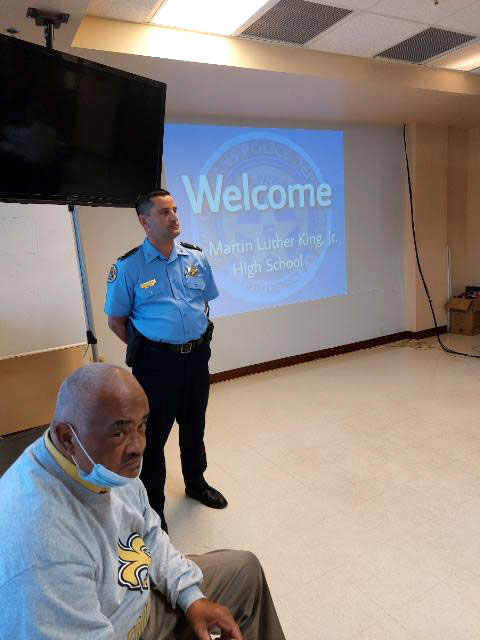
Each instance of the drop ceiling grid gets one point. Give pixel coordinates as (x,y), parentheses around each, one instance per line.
(295,21)
(369,32)
(426,45)
(254,17)
(127,10)
(373,26)
(353,5)
(421,10)
(462,15)
(365,34)
(467,20)
(358,5)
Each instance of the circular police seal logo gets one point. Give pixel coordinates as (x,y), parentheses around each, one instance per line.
(112,274)
(268,235)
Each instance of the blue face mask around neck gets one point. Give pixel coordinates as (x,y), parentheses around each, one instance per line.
(100,476)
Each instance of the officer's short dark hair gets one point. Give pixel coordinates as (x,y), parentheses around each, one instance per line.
(143,203)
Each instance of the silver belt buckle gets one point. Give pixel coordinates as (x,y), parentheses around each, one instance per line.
(186,348)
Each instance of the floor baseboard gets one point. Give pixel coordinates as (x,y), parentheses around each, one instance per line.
(323,353)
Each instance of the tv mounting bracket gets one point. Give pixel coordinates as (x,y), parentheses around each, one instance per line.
(48,21)
(51,22)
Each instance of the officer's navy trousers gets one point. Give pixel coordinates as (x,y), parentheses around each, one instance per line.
(177,386)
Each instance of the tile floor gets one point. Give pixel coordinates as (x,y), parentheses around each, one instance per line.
(356,480)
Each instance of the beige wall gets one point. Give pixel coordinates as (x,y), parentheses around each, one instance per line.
(472,231)
(457,198)
(428,157)
(250,79)
(445,169)
(30,384)
(410,266)
(464,207)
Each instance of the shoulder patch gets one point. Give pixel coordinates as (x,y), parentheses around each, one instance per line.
(112,274)
(187,245)
(129,253)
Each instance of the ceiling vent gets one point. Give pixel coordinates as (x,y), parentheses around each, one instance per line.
(425,45)
(294,21)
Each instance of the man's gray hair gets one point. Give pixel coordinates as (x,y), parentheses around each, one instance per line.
(78,394)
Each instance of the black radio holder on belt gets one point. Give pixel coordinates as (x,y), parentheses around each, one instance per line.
(134,344)
(209,331)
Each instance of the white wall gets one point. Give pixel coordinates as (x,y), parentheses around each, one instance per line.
(41,300)
(374,306)
(106,234)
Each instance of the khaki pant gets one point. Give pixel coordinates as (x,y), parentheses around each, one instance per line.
(234,579)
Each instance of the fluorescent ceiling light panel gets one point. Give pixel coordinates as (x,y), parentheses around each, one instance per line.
(209,16)
(465,59)
(468,63)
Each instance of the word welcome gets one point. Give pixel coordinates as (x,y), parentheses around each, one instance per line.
(261,197)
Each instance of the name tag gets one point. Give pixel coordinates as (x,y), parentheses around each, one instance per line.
(146,285)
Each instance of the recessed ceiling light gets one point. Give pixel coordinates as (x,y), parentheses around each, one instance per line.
(209,16)
(468,63)
(464,59)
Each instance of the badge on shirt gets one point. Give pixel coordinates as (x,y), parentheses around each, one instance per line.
(192,270)
(148,284)
(112,274)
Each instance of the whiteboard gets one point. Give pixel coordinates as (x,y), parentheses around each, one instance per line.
(40,292)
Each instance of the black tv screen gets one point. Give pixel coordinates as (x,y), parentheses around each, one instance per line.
(73,131)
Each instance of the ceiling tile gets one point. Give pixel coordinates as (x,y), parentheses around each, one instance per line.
(128,10)
(365,35)
(425,45)
(421,10)
(294,21)
(467,20)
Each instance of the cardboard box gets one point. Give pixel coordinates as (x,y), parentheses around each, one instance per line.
(464,316)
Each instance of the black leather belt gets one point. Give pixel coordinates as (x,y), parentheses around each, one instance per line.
(186,347)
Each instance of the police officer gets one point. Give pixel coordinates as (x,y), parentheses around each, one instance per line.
(157,303)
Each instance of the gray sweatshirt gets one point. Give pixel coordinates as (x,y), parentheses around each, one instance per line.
(76,562)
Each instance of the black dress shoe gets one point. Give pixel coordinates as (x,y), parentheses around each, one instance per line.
(208,496)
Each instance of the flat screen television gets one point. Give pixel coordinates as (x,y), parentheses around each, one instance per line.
(74,131)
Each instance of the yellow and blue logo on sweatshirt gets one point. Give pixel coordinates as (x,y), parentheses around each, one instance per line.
(134,559)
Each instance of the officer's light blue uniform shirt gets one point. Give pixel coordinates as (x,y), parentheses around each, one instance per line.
(164,297)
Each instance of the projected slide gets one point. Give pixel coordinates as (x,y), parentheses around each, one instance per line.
(267,208)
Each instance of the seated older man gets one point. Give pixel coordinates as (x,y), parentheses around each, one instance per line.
(84,556)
